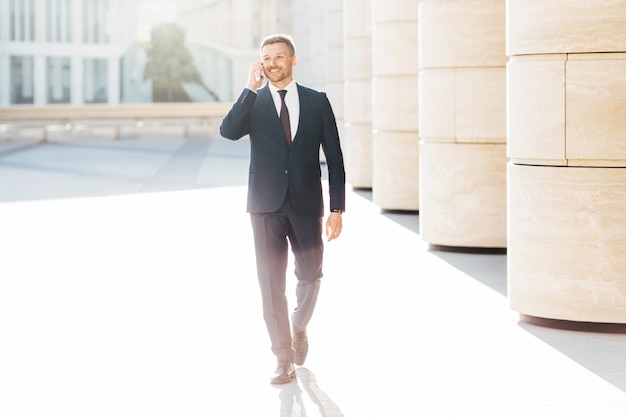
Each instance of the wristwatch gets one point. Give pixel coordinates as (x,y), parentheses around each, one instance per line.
(336,211)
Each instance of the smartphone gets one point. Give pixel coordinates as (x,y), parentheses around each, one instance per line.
(259,74)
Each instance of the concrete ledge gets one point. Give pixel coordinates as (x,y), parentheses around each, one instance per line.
(124,111)
(62,123)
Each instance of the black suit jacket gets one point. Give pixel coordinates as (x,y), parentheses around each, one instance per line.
(277,169)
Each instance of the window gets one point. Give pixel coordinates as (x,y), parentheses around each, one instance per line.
(96,73)
(22,80)
(58,80)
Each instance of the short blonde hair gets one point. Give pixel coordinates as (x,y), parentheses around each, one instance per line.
(280,38)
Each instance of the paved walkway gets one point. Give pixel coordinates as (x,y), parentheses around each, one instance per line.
(127,288)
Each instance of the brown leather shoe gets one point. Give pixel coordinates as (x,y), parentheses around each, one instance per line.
(285,372)
(301,346)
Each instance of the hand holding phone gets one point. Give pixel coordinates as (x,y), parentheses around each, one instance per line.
(258,73)
(256,76)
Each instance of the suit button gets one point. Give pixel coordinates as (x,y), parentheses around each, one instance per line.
(286,171)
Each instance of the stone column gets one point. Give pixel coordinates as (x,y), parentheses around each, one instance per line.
(282,11)
(333,71)
(310,37)
(567,150)
(394,105)
(357,66)
(463,123)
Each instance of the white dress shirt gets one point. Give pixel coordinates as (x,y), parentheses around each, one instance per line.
(292,101)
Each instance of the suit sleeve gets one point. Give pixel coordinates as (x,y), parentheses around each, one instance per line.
(235,124)
(334,159)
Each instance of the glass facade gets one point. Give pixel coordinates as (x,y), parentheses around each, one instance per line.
(59,21)
(22,27)
(94,21)
(66,51)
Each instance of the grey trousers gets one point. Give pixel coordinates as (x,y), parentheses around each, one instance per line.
(273,234)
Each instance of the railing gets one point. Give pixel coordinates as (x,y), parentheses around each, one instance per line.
(60,123)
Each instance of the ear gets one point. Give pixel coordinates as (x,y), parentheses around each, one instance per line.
(294,60)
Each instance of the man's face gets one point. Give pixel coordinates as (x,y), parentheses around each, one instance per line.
(278,63)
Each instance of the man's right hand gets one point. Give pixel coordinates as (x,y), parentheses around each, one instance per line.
(256,77)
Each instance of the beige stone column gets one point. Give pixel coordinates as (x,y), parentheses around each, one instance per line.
(463,123)
(395,138)
(567,149)
(282,22)
(333,71)
(310,38)
(357,65)
(318,33)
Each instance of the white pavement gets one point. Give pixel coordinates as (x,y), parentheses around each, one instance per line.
(146,304)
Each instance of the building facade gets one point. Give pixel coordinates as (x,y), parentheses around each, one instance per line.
(64,51)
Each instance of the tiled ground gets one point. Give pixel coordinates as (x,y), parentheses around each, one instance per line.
(127,288)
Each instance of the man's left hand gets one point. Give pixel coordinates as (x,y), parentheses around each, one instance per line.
(333,226)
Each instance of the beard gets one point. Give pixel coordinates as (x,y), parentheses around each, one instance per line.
(279,76)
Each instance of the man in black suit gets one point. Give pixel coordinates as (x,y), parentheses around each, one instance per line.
(287,123)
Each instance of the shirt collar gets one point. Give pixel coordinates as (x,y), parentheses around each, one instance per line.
(289,87)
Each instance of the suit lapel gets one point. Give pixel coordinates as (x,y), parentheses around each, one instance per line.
(305,105)
(265,100)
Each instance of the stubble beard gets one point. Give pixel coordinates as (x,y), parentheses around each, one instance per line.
(280,78)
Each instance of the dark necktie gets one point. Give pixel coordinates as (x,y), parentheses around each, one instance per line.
(284,116)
